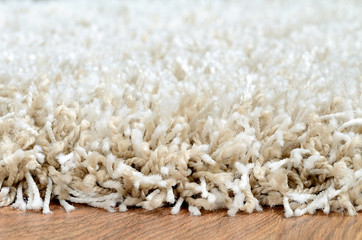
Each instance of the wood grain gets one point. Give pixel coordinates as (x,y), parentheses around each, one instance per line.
(92,223)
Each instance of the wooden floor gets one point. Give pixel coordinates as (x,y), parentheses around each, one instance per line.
(92,223)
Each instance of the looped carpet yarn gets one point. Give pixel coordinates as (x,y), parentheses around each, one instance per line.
(232,105)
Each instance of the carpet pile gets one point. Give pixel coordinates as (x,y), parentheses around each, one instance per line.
(232,105)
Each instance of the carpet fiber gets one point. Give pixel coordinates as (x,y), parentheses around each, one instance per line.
(206,104)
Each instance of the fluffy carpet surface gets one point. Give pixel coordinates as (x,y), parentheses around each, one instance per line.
(204,104)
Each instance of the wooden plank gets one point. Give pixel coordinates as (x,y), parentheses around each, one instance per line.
(91,223)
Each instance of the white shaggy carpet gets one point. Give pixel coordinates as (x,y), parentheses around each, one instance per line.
(206,104)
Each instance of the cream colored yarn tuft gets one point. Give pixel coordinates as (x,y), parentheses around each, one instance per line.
(232,105)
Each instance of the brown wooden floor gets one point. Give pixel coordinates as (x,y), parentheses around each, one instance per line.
(92,223)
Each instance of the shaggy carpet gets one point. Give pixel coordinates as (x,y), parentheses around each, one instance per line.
(204,104)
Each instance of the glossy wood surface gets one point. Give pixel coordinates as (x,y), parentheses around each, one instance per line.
(91,223)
